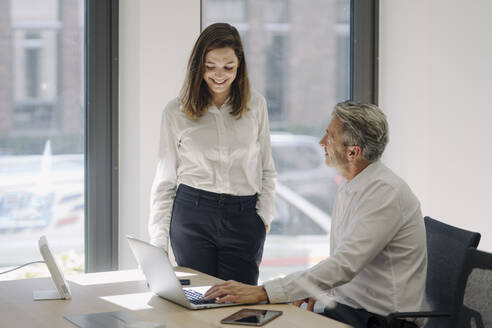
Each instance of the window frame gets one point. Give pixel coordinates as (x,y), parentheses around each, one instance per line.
(364,54)
(101,115)
(101,135)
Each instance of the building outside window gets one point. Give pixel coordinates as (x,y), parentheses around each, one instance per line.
(41,133)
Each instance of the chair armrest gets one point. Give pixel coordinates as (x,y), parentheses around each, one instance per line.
(425,314)
(467,315)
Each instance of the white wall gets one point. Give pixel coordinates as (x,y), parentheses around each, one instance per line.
(155,40)
(436,87)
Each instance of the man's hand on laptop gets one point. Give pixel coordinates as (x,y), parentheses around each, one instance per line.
(235,292)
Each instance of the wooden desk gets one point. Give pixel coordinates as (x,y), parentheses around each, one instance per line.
(127,291)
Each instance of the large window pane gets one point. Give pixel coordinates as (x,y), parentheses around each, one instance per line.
(298,57)
(41,133)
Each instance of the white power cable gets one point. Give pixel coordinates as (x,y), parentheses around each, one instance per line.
(20,266)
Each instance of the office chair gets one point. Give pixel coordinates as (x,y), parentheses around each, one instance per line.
(477,302)
(447,248)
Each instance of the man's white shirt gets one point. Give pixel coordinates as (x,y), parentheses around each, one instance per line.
(378,255)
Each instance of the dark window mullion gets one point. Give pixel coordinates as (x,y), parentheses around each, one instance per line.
(101,126)
(364,50)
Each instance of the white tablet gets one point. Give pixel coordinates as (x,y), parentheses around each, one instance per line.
(56,275)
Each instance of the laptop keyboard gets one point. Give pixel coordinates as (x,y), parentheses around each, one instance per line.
(196,298)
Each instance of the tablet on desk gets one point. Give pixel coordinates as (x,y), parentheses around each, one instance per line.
(251,317)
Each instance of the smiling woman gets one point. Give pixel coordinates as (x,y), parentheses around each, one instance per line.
(217,54)
(212,195)
(220,71)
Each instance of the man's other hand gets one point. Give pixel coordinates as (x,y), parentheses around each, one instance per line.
(235,292)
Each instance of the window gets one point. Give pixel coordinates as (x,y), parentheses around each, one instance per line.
(58,133)
(42,135)
(310,158)
(290,221)
(298,57)
(302,56)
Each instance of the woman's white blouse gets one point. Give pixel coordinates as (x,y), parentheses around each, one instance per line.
(217,153)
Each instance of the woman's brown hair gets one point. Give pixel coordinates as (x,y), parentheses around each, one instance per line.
(195,96)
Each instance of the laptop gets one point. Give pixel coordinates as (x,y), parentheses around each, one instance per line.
(162,279)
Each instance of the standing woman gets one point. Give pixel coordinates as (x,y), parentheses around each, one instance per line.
(213,192)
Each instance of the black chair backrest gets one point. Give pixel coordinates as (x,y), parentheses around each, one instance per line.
(477,300)
(446,253)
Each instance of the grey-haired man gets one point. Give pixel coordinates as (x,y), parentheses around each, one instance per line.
(378,255)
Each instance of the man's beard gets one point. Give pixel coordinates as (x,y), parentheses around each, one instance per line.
(336,159)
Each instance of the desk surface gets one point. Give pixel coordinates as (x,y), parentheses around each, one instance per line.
(127,291)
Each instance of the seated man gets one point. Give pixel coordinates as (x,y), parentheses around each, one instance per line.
(378,255)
